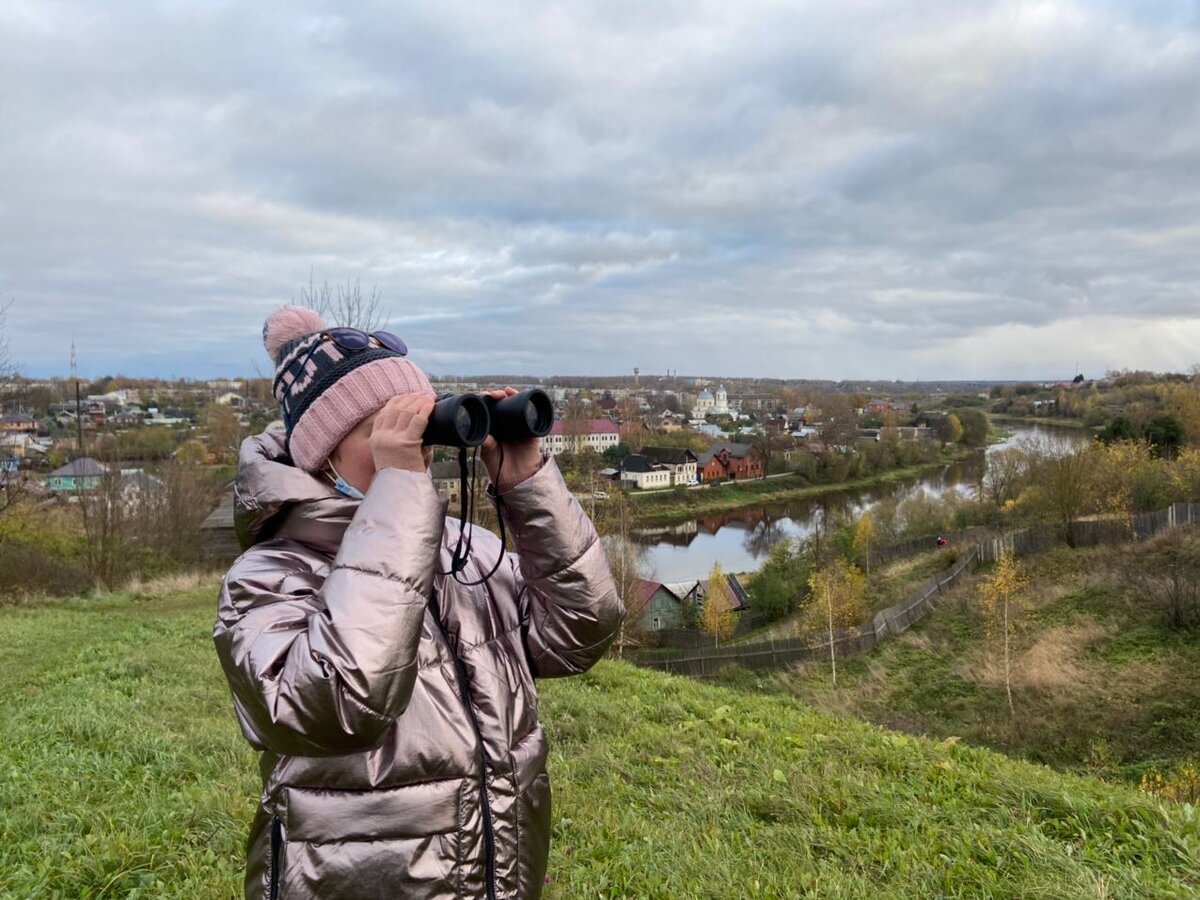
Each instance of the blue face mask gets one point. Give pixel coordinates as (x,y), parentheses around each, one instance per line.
(344,487)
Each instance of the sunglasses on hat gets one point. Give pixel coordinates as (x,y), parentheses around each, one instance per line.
(351,340)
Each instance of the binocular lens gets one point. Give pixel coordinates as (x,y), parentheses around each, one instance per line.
(465,420)
(458,421)
(522,416)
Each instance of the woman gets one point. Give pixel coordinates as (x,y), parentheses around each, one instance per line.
(394,704)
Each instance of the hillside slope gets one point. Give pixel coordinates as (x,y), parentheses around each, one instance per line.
(125,776)
(1100,684)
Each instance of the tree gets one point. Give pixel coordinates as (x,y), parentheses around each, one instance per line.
(1004,475)
(1166,571)
(1165,435)
(864,532)
(1117,429)
(613,520)
(953,432)
(224,431)
(1065,482)
(7,369)
(839,422)
(778,587)
(345,306)
(1003,595)
(191,452)
(837,601)
(716,618)
(974,425)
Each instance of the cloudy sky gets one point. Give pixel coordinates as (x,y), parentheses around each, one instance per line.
(824,190)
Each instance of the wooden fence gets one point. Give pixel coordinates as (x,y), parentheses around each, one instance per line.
(770,654)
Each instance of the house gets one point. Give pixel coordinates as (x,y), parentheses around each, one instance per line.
(448,481)
(656,606)
(138,485)
(81,474)
(667,421)
(21,445)
(681,461)
(660,605)
(232,400)
(729,461)
(596,435)
(643,473)
(18,423)
(739,598)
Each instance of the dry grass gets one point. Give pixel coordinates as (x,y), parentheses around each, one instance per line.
(1055,661)
(163,585)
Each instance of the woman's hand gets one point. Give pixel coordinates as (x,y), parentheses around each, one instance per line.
(397,432)
(521,459)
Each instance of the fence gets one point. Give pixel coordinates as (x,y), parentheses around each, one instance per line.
(702,662)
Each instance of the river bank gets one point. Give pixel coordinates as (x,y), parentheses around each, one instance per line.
(665,507)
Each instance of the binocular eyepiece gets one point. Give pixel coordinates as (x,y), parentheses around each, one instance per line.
(465,420)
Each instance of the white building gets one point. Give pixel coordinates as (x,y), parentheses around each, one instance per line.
(593,434)
(709,403)
(644,474)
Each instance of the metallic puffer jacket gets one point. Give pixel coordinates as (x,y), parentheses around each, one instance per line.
(394,707)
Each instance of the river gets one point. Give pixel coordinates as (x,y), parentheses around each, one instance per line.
(739,539)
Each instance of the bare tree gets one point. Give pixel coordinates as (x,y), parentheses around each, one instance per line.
(1166,571)
(12,484)
(108,542)
(1004,475)
(7,368)
(627,560)
(345,305)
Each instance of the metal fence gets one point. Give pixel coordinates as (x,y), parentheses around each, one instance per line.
(770,654)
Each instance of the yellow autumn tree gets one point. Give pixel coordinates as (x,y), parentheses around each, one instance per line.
(954,428)
(717,616)
(837,600)
(1003,595)
(864,533)
(1115,469)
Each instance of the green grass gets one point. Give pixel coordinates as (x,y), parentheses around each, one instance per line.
(124,775)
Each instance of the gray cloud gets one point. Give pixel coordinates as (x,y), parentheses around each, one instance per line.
(851,190)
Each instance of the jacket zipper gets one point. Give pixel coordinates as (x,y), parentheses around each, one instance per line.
(489,839)
(276,850)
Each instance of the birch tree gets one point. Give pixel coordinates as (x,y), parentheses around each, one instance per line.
(836,600)
(1003,594)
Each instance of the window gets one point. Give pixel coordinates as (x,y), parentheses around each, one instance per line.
(656,625)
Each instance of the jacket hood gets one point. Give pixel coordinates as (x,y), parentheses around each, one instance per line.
(275,499)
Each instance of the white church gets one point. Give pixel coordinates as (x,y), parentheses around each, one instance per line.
(709,403)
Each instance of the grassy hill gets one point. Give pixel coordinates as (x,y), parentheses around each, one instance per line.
(124,776)
(1100,684)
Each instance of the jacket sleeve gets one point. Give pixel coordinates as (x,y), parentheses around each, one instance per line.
(570,608)
(322,666)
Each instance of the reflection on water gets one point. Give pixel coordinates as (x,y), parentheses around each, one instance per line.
(740,538)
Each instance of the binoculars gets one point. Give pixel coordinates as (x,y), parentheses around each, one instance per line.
(465,420)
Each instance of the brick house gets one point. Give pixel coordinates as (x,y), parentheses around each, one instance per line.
(734,462)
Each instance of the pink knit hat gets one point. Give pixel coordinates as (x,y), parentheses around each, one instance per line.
(324,390)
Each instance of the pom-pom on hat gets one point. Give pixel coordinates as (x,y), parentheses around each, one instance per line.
(324,390)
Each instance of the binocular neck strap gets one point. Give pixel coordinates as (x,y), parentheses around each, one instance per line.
(462,549)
